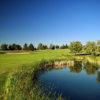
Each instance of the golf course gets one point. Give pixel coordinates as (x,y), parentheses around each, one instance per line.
(49,49)
(24,63)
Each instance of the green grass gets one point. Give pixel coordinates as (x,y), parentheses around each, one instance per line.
(13,51)
(3,78)
(10,63)
(22,85)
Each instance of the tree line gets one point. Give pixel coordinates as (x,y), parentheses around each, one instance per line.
(91,47)
(31,47)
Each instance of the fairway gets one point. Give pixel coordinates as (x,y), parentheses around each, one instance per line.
(8,62)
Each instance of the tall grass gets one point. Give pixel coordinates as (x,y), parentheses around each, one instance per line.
(22,85)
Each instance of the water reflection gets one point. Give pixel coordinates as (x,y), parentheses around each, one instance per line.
(91,68)
(98,76)
(79,81)
(77,68)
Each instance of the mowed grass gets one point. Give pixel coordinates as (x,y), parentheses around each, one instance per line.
(11,62)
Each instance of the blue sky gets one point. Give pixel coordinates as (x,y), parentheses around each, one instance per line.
(49,21)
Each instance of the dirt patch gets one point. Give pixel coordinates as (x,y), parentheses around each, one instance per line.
(19,53)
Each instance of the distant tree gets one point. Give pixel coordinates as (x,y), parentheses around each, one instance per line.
(75,46)
(98,46)
(52,46)
(35,48)
(4,47)
(57,46)
(15,47)
(40,46)
(45,47)
(98,42)
(10,47)
(25,47)
(91,47)
(18,47)
(31,47)
(83,48)
(64,46)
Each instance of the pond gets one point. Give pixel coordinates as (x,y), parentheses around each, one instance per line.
(78,82)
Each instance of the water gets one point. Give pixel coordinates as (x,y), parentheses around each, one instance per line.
(79,82)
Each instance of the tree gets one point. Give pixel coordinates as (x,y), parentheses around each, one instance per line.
(18,47)
(57,46)
(25,47)
(75,46)
(98,49)
(91,47)
(45,47)
(40,46)
(12,46)
(4,47)
(64,46)
(98,42)
(52,46)
(98,46)
(15,47)
(31,47)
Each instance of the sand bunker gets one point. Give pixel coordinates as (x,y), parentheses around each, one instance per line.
(19,53)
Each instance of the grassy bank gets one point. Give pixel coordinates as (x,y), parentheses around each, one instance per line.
(23,66)
(10,63)
(22,85)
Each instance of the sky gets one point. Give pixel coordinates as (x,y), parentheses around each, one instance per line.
(49,21)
